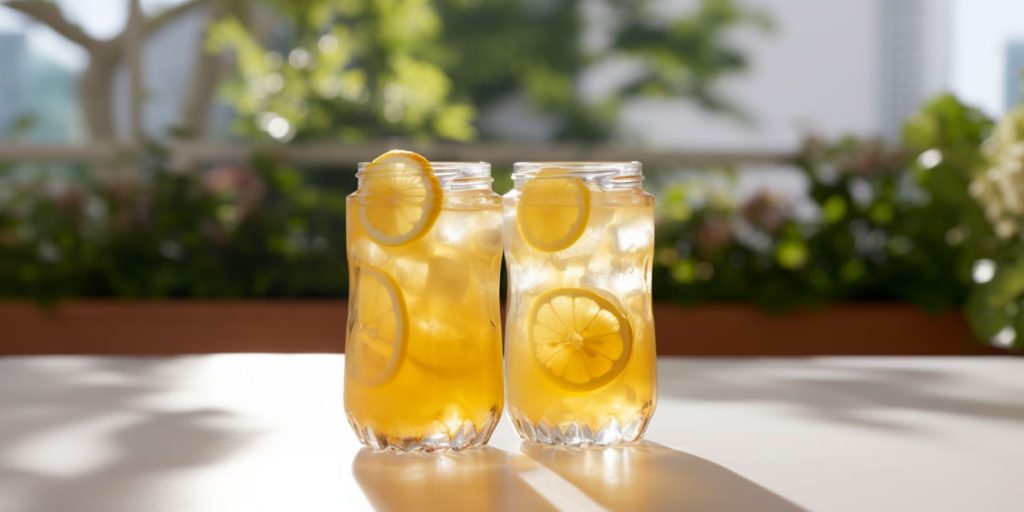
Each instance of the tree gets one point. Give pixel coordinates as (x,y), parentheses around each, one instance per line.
(424,68)
(95,87)
(357,69)
(505,47)
(352,69)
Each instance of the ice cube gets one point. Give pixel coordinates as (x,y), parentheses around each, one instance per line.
(451,228)
(627,283)
(599,270)
(634,235)
(410,272)
(364,249)
(529,278)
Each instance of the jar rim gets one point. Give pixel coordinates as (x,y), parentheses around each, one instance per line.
(446,169)
(454,176)
(584,169)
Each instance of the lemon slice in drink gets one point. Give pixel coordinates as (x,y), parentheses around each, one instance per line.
(553,210)
(400,198)
(378,328)
(580,339)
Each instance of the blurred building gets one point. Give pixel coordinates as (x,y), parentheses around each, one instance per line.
(830,67)
(1014,73)
(36,59)
(168,58)
(913,57)
(12,80)
(37,91)
(53,102)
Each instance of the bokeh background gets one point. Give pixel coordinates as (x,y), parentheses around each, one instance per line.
(803,153)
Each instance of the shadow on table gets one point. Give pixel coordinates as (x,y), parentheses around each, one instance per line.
(645,476)
(81,435)
(478,479)
(849,394)
(649,476)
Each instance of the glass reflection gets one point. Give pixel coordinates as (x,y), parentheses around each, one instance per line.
(478,479)
(649,476)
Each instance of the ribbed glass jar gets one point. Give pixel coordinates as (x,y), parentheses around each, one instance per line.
(580,350)
(423,347)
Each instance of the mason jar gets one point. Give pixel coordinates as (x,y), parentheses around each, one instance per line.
(580,353)
(423,346)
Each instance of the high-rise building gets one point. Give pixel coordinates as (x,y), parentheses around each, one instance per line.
(913,60)
(1014,92)
(12,83)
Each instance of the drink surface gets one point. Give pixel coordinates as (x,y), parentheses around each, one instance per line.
(580,339)
(423,348)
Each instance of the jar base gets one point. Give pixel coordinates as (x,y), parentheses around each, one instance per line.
(467,435)
(575,433)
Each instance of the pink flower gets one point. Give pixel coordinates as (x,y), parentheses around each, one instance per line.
(237,184)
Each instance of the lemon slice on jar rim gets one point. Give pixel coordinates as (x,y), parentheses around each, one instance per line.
(553,209)
(399,199)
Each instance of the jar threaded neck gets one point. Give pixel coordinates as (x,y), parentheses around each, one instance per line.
(454,176)
(607,175)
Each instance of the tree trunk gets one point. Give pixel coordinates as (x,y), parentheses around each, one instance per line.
(133,46)
(96,83)
(206,73)
(96,92)
(199,97)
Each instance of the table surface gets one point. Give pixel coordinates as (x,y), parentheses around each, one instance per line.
(260,432)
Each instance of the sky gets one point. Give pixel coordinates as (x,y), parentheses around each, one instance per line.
(980,31)
(100,18)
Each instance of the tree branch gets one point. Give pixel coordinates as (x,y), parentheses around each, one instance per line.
(159,21)
(50,15)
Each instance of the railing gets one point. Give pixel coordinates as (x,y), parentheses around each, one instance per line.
(187,154)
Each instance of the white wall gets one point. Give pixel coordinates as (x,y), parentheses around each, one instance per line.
(816,72)
(821,71)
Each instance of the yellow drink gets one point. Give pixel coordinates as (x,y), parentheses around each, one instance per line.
(580,357)
(423,348)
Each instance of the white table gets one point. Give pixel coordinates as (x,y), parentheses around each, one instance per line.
(267,432)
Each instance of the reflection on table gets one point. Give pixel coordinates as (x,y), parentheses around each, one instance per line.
(477,479)
(644,476)
(649,476)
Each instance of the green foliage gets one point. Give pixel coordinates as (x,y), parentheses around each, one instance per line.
(686,55)
(881,223)
(235,231)
(995,306)
(426,68)
(342,69)
(864,234)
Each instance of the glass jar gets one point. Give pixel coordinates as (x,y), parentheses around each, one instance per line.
(580,355)
(423,346)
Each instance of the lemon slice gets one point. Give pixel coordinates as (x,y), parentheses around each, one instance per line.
(450,350)
(580,339)
(400,198)
(553,210)
(378,329)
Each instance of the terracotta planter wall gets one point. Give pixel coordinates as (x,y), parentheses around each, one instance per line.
(848,329)
(192,327)
(173,327)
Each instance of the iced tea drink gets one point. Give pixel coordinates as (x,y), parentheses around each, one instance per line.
(580,358)
(423,347)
